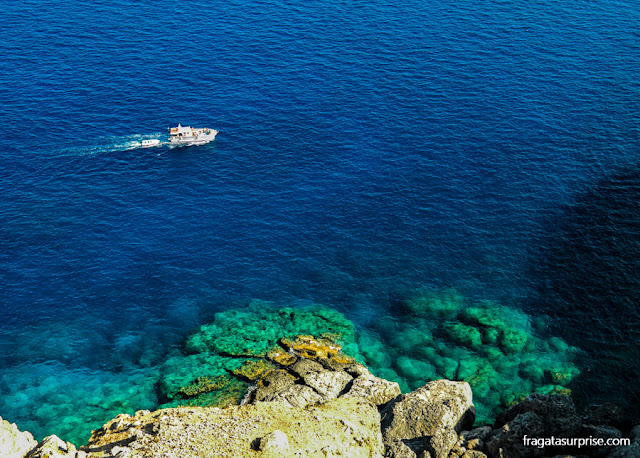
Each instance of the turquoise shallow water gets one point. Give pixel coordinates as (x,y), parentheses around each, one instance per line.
(365,150)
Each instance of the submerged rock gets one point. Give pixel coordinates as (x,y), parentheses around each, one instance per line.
(253,331)
(302,396)
(494,348)
(431,422)
(243,346)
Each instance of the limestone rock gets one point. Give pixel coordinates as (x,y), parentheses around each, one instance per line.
(276,381)
(308,382)
(328,384)
(427,419)
(311,347)
(376,390)
(305,367)
(340,427)
(293,395)
(54,447)
(276,441)
(13,442)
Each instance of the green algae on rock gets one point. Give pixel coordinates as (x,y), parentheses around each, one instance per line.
(239,344)
(443,303)
(310,347)
(71,404)
(492,347)
(254,370)
(488,345)
(220,391)
(255,330)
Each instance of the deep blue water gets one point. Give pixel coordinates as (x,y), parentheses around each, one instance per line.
(366,148)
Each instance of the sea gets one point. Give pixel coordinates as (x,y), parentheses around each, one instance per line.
(366,149)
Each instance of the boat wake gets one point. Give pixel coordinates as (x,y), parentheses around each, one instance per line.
(118,144)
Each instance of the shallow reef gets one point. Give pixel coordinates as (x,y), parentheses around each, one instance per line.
(494,348)
(437,334)
(241,346)
(433,335)
(54,400)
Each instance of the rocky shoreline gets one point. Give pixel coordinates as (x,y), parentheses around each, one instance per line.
(317,402)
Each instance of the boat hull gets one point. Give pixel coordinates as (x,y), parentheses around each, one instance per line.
(188,136)
(150,143)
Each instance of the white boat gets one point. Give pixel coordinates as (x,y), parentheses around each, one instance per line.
(151,142)
(188,136)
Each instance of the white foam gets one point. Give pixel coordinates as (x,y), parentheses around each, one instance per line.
(114,144)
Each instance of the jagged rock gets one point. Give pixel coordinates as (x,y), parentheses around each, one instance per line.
(356,370)
(470,443)
(507,441)
(329,407)
(54,447)
(276,381)
(270,385)
(602,431)
(340,427)
(427,419)
(311,347)
(608,414)
(473,454)
(328,384)
(281,356)
(557,412)
(307,382)
(537,416)
(293,395)
(474,439)
(631,451)
(13,442)
(305,367)
(376,390)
